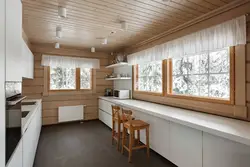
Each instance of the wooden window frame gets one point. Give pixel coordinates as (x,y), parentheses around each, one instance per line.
(136,77)
(78,82)
(167,83)
(205,99)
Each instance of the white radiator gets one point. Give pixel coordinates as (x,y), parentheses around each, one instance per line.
(70,113)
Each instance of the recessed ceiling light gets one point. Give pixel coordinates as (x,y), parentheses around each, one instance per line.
(62,12)
(57,45)
(93,49)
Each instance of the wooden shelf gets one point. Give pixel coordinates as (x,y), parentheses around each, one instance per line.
(121,64)
(121,78)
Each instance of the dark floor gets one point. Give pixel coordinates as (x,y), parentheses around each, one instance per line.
(87,145)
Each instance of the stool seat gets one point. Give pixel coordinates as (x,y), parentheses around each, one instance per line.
(136,124)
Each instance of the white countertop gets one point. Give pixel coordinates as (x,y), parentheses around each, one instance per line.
(31,109)
(231,129)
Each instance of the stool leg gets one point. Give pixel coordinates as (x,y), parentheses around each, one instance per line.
(138,137)
(147,142)
(113,131)
(118,136)
(131,139)
(123,138)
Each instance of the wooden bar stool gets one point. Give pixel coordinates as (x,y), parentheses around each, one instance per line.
(132,126)
(116,118)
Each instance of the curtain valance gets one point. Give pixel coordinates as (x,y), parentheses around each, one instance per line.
(230,33)
(69,62)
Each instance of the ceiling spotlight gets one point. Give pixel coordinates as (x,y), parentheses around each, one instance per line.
(124,25)
(57,45)
(105,41)
(62,12)
(93,49)
(59,32)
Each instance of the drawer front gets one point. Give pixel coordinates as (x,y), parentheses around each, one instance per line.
(105,106)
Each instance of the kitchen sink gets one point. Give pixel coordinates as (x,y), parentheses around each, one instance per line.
(24,113)
(29,103)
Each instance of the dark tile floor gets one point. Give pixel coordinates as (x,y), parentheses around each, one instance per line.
(87,145)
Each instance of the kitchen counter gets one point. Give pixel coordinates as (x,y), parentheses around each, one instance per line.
(232,129)
(32,109)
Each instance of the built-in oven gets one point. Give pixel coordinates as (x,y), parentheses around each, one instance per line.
(13,117)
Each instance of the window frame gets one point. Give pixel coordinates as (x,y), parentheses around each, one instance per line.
(78,82)
(136,77)
(167,83)
(200,98)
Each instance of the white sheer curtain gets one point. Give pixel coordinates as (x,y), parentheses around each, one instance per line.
(70,62)
(230,33)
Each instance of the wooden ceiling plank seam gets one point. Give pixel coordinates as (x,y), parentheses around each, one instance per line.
(128,16)
(55,13)
(158,5)
(160,10)
(121,9)
(74,21)
(191,5)
(216,2)
(180,7)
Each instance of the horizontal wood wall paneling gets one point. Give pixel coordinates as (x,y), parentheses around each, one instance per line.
(50,120)
(248,52)
(34,89)
(50,113)
(248,71)
(248,92)
(213,108)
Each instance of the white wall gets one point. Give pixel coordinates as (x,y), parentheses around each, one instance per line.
(2,83)
(123,84)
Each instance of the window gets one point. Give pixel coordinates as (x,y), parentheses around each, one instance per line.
(205,75)
(69,78)
(149,77)
(85,75)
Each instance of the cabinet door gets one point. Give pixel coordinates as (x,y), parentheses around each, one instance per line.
(158,133)
(220,152)
(16,159)
(30,142)
(105,106)
(185,146)
(27,61)
(13,40)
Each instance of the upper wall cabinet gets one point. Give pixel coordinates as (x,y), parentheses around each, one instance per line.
(27,61)
(13,40)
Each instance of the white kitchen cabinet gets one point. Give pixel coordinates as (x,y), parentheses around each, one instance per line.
(185,146)
(105,118)
(106,106)
(13,40)
(31,138)
(16,158)
(27,61)
(221,152)
(158,133)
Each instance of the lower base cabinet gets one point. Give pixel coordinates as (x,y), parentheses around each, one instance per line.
(16,159)
(221,152)
(105,118)
(185,146)
(31,138)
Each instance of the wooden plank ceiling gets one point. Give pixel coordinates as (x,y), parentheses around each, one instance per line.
(88,20)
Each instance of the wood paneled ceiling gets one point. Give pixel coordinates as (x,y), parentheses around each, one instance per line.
(88,20)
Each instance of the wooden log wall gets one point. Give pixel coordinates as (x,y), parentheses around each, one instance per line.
(248,66)
(35,88)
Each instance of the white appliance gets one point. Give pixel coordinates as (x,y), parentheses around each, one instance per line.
(121,94)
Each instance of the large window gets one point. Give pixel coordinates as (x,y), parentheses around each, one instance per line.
(69,79)
(149,77)
(205,76)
